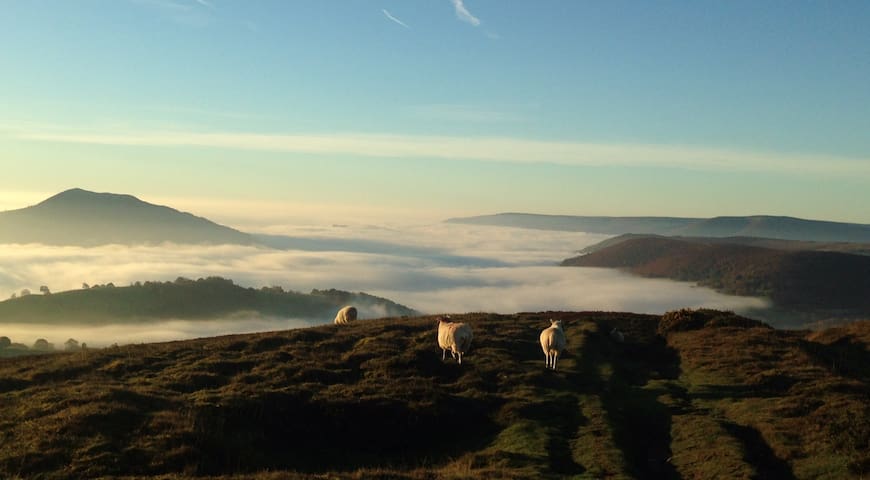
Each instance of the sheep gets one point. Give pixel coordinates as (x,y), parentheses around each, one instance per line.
(553,342)
(455,337)
(616,335)
(345,315)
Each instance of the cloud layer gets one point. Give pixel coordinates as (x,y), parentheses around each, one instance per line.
(433,268)
(490,149)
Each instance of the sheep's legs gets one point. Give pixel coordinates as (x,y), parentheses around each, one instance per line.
(443,354)
(460,358)
(550,361)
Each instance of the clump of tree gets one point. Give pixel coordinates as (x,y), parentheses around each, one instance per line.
(43,345)
(8,348)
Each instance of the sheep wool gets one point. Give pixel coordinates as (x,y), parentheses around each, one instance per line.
(454,336)
(553,342)
(345,315)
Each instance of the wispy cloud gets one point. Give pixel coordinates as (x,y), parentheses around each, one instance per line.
(394,19)
(463,14)
(205,3)
(490,149)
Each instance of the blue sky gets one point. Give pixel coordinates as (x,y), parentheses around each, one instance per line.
(337,109)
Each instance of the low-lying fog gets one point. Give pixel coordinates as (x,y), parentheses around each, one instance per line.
(433,268)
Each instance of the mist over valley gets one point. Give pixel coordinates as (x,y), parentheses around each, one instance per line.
(433,268)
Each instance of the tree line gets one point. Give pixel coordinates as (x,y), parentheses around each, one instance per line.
(8,348)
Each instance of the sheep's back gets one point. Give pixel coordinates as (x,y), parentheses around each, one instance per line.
(452,335)
(345,315)
(462,336)
(553,338)
(444,335)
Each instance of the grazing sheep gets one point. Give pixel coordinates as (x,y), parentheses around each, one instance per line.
(616,335)
(345,315)
(553,342)
(455,337)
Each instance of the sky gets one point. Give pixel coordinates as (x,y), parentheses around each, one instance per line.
(276,111)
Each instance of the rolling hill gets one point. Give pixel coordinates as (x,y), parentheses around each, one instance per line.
(691,394)
(799,280)
(771,243)
(201,299)
(764,226)
(83,218)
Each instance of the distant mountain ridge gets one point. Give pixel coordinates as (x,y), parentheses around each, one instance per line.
(83,218)
(762,226)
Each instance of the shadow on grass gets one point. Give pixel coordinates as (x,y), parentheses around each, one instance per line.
(289,431)
(758,453)
(720,392)
(846,357)
(641,425)
(563,417)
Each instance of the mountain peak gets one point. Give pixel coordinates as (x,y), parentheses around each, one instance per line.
(81,217)
(82,197)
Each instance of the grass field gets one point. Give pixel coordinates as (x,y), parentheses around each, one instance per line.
(693,394)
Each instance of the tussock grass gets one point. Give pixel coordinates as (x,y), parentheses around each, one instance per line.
(701,394)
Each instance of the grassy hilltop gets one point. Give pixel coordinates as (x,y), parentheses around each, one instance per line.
(693,394)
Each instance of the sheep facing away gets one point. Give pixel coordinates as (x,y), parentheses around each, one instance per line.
(553,342)
(453,336)
(345,315)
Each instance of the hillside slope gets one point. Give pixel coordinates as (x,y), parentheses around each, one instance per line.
(772,243)
(791,279)
(693,395)
(83,218)
(205,298)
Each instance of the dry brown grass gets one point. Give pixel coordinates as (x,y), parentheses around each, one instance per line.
(718,396)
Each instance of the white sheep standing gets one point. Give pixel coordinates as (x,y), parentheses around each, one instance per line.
(453,336)
(345,315)
(553,342)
